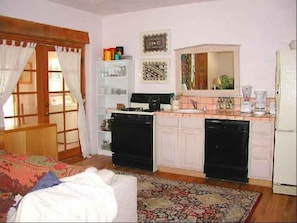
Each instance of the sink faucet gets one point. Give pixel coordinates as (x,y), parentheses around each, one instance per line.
(194,103)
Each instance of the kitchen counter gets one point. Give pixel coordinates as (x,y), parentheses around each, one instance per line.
(221,114)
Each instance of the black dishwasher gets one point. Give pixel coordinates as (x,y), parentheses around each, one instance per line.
(226,149)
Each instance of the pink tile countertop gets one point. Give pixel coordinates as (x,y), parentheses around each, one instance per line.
(221,114)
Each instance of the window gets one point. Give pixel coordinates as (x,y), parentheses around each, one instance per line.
(22,107)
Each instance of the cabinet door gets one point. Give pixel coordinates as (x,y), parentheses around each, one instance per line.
(15,142)
(42,141)
(260,169)
(261,150)
(167,146)
(34,140)
(191,149)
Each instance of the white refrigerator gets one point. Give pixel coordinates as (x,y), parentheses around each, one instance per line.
(284,167)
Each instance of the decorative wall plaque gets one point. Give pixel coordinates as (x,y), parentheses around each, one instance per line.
(155,70)
(157,42)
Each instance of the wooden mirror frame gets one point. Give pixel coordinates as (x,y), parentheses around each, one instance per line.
(206,48)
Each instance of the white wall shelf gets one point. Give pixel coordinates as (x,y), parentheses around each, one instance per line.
(114,85)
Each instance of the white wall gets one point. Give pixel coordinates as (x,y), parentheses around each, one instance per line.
(261,27)
(43,11)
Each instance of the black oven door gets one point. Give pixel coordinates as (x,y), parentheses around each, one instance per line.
(132,140)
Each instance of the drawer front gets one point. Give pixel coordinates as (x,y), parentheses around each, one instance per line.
(167,121)
(262,140)
(260,169)
(262,127)
(261,153)
(192,123)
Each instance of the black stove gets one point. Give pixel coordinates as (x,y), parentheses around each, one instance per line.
(133,131)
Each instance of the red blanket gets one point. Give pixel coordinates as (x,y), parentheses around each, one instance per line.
(19,174)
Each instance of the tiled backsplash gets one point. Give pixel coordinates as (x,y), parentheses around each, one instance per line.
(211,102)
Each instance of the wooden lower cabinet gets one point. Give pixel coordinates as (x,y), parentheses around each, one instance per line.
(261,150)
(38,139)
(192,143)
(180,142)
(167,146)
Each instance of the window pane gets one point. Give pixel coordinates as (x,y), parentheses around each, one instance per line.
(72,136)
(28,103)
(53,61)
(66,87)
(8,107)
(10,121)
(59,120)
(72,139)
(71,120)
(55,102)
(70,103)
(55,81)
(27,82)
(30,120)
(32,62)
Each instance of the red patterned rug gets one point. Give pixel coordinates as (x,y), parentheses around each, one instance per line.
(163,200)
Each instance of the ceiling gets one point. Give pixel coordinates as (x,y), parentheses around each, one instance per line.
(110,7)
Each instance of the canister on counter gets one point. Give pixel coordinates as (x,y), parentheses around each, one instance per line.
(107,55)
(117,56)
(120,50)
(103,55)
(113,51)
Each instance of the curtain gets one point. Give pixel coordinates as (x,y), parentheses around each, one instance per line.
(13,60)
(70,64)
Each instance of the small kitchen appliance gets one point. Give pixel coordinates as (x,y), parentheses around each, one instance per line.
(260,105)
(154,103)
(246,104)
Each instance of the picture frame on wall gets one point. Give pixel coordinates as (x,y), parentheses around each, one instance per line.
(155,42)
(154,70)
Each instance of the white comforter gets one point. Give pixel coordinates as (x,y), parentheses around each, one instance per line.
(84,197)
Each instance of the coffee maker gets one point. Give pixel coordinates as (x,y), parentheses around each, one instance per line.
(260,105)
(246,106)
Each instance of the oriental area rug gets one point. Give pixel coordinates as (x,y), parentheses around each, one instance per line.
(164,200)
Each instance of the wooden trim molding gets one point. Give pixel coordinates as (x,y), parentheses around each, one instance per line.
(41,32)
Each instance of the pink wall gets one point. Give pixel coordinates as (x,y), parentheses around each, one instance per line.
(261,27)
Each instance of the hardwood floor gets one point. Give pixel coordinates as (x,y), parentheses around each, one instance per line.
(271,208)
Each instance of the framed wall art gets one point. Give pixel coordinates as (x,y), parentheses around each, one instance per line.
(155,70)
(155,43)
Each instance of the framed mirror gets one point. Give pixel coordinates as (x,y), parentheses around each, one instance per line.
(208,70)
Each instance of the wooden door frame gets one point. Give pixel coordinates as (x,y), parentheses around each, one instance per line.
(42,34)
